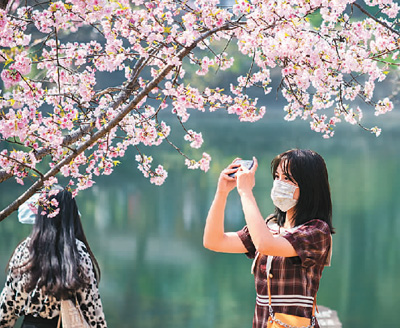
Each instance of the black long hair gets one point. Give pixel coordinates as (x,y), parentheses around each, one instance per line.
(54,258)
(307,168)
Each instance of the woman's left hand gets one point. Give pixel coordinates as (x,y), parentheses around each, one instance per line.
(245,180)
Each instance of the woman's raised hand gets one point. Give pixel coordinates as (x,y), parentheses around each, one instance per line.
(245,180)
(225,182)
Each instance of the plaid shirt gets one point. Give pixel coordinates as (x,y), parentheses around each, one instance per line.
(295,280)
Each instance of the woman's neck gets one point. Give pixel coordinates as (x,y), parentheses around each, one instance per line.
(289,223)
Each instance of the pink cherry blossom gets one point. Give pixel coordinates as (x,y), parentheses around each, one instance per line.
(10,77)
(383,107)
(117,85)
(205,162)
(195,138)
(159,176)
(375,130)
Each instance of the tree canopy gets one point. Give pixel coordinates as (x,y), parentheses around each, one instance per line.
(86,80)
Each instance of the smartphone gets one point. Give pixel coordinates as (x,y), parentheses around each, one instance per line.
(246,163)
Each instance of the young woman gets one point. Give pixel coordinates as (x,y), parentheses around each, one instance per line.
(55,262)
(291,246)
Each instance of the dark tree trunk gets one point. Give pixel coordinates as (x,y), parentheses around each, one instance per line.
(3,4)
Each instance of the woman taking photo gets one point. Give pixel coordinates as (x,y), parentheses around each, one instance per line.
(54,263)
(291,247)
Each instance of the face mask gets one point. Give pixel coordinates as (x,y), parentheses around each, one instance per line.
(25,214)
(282,195)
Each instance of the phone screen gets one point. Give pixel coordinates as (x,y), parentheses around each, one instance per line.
(246,163)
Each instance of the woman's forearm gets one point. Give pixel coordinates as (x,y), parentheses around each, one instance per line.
(263,240)
(214,228)
(258,230)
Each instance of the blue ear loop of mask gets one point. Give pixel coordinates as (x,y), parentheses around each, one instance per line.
(25,214)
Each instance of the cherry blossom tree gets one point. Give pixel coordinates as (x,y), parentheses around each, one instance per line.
(60,119)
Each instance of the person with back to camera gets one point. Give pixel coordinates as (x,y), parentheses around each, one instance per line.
(55,262)
(291,247)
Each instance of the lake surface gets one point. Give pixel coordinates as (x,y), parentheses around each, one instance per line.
(148,239)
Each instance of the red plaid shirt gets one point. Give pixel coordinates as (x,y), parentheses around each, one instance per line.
(295,280)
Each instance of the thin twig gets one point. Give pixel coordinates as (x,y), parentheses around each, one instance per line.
(123,112)
(376,19)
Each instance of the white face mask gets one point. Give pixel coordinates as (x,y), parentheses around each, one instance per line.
(282,195)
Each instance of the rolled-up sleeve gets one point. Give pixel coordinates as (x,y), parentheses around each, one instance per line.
(7,304)
(311,241)
(89,297)
(11,298)
(245,237)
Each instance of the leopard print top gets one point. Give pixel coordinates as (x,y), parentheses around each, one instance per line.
(14,302)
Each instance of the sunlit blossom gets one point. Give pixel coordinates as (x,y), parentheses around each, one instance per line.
(62,93)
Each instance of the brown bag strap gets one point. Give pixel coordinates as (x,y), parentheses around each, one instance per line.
(269,289)
(315,307)
(60,314)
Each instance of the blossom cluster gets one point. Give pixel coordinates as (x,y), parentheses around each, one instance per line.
(157,176)
(62,65)
(203,163)
(195,138)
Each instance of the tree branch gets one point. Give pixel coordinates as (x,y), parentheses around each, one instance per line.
(376,19)
(3,4)
(74,136)
(107,128)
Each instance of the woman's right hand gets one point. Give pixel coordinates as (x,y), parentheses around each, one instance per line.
(215,238)
(225,182)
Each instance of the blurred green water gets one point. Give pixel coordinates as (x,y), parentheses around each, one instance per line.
(148,239)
